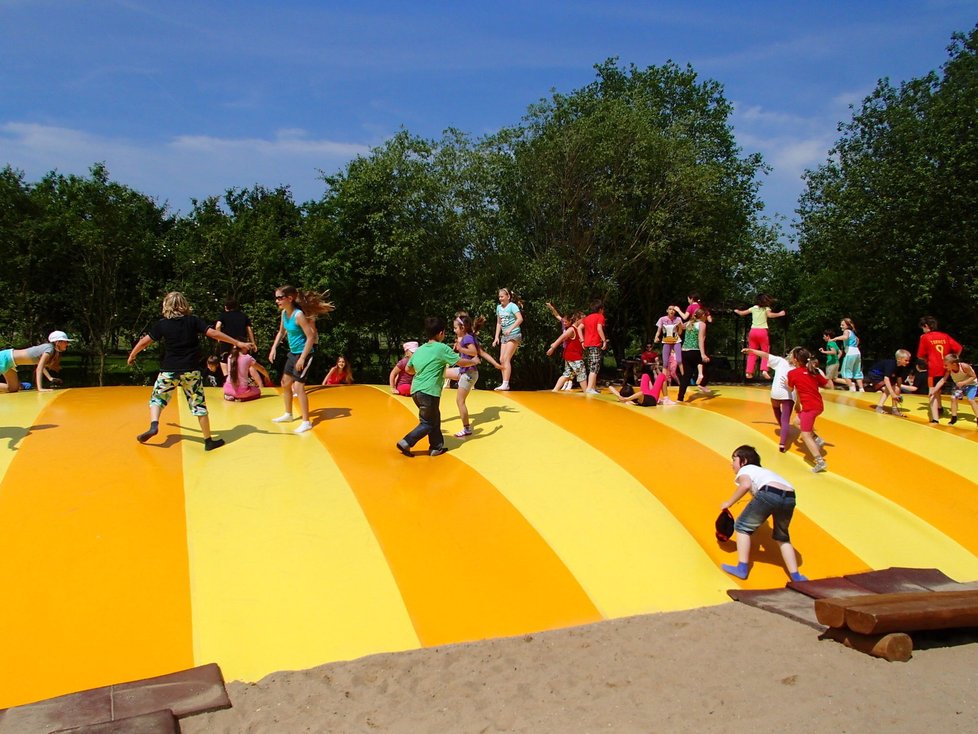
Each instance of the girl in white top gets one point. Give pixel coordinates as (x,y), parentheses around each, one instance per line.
(782,399)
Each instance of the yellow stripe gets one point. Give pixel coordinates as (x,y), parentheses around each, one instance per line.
(608,530)
(286,571)
(20,411)
(876,529)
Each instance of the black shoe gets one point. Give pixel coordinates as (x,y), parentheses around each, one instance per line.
(934,421)
(954,419)
(403,447)
(438,452)
(213,443)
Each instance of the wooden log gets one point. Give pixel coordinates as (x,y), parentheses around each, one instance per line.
(934,612)
(895,647)
(832,611)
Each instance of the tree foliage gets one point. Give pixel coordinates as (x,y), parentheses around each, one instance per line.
(631,189)
(889,229)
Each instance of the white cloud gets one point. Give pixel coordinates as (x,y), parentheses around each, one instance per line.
(181,168)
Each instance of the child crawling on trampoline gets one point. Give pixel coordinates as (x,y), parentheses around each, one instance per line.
(773,496)
(179,331)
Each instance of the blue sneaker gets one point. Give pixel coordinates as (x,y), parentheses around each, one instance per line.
(26,386)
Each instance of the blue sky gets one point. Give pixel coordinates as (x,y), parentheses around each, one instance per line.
(185,99)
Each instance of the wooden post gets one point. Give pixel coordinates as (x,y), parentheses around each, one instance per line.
(895,647)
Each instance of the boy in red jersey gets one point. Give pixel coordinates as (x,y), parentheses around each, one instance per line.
(934,346)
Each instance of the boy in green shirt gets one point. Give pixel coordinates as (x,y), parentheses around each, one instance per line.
(428,367)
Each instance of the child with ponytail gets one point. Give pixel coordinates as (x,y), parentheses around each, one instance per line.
(806,379)
(298,325)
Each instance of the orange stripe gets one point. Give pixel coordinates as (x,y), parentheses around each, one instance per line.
(895,473)
(469,566)
(689,481)
(67,553)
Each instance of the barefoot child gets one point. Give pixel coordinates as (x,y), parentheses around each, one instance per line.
(758,339)
(772,495)
(650,393)
(965,382)
(400,380)
(806,378)
(179,331)
(243,381)
(887,376)
(428,365)
(572,339)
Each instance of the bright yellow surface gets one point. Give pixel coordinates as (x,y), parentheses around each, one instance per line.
(279,551)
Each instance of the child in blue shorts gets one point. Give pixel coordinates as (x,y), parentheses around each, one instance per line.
(773,496)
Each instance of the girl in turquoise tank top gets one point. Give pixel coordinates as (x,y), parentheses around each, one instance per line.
(298,325)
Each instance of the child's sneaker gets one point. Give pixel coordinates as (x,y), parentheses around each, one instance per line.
(26,386)
(820,466)
(213,443)
(403,447)
(879,409)
(896,411)
(819,441)
(592,392)
(438,452)
(568,386)
(303,427)
(466,431)
(954,419)
(284,418)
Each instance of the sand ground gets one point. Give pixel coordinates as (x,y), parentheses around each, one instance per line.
(724,668)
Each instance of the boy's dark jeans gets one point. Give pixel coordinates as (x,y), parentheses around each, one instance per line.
(429,413)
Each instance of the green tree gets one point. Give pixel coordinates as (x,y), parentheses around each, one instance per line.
(888,227)
(107,237)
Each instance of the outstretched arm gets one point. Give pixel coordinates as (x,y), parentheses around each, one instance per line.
(140,346)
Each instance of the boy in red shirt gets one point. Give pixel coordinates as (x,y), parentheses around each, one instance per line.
(934,346)
(595,342)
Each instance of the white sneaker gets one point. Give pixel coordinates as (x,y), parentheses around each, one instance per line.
(303,427)
(819,441)
(503,387)
(284,418)
(820,466)
(592,392)
(567,386)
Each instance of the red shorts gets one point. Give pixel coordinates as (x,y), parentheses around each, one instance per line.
(807,420)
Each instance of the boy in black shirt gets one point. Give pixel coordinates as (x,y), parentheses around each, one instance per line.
(887,377)
(179,331)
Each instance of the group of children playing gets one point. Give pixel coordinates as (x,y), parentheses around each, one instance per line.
(425,368)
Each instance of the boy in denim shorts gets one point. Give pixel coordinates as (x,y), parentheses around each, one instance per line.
(772,496)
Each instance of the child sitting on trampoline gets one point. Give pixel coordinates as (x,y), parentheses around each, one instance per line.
(649,394)
(179,331)
(774,496)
